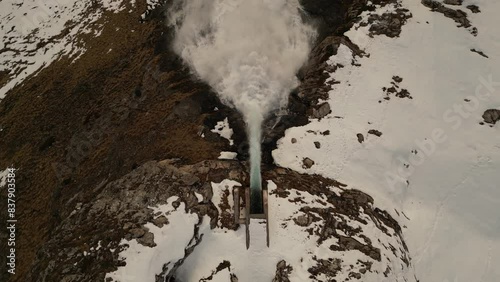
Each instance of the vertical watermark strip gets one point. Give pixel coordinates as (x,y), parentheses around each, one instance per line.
(11,220)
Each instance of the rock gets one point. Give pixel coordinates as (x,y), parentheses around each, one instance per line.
(397,79)
(160,221)
(307,163)
(321,111)
(294,140)
(283,272)
(317,145)
(491,116)
(479,52)
(458,16)
(375,132)
(325,133)
(147,240)
(453,2)
(388,24)
(303,220)
(474,9)
(361,138)
(190,179)
(137,232)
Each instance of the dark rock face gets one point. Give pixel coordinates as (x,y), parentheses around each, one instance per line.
(333,17)
(491,116)
(315,73)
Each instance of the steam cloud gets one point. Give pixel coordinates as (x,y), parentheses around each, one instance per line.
(248,50)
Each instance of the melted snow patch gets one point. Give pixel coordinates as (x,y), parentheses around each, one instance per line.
(228,155)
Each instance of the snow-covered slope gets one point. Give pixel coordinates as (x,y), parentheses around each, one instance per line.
(37,33)
(318,236)
(434,162)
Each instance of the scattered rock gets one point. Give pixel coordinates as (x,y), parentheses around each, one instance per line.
(361,138)
(491,116)
(474,9)
(395,89)
(303,220)
(307,163)
(458,16)
(397,79)
(283,271)
(388,24)
(317,145)
(375,132)
(329,268)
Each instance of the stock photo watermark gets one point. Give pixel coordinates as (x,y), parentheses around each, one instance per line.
(454,117)
(11,220)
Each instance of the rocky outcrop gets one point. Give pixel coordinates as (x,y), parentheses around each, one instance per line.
(87,243)
(459,16)
(119,210)
(388,23)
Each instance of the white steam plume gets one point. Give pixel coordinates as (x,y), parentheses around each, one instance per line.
(249,51)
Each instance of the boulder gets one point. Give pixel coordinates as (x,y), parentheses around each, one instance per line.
(491,116)
(307,163)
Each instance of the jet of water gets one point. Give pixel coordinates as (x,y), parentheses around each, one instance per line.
(249,51)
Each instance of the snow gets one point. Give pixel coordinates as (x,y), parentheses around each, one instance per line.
(199,197)
(3,177)
(143,263)
(452,195)
(222,128)
(292,243)
(228,155)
